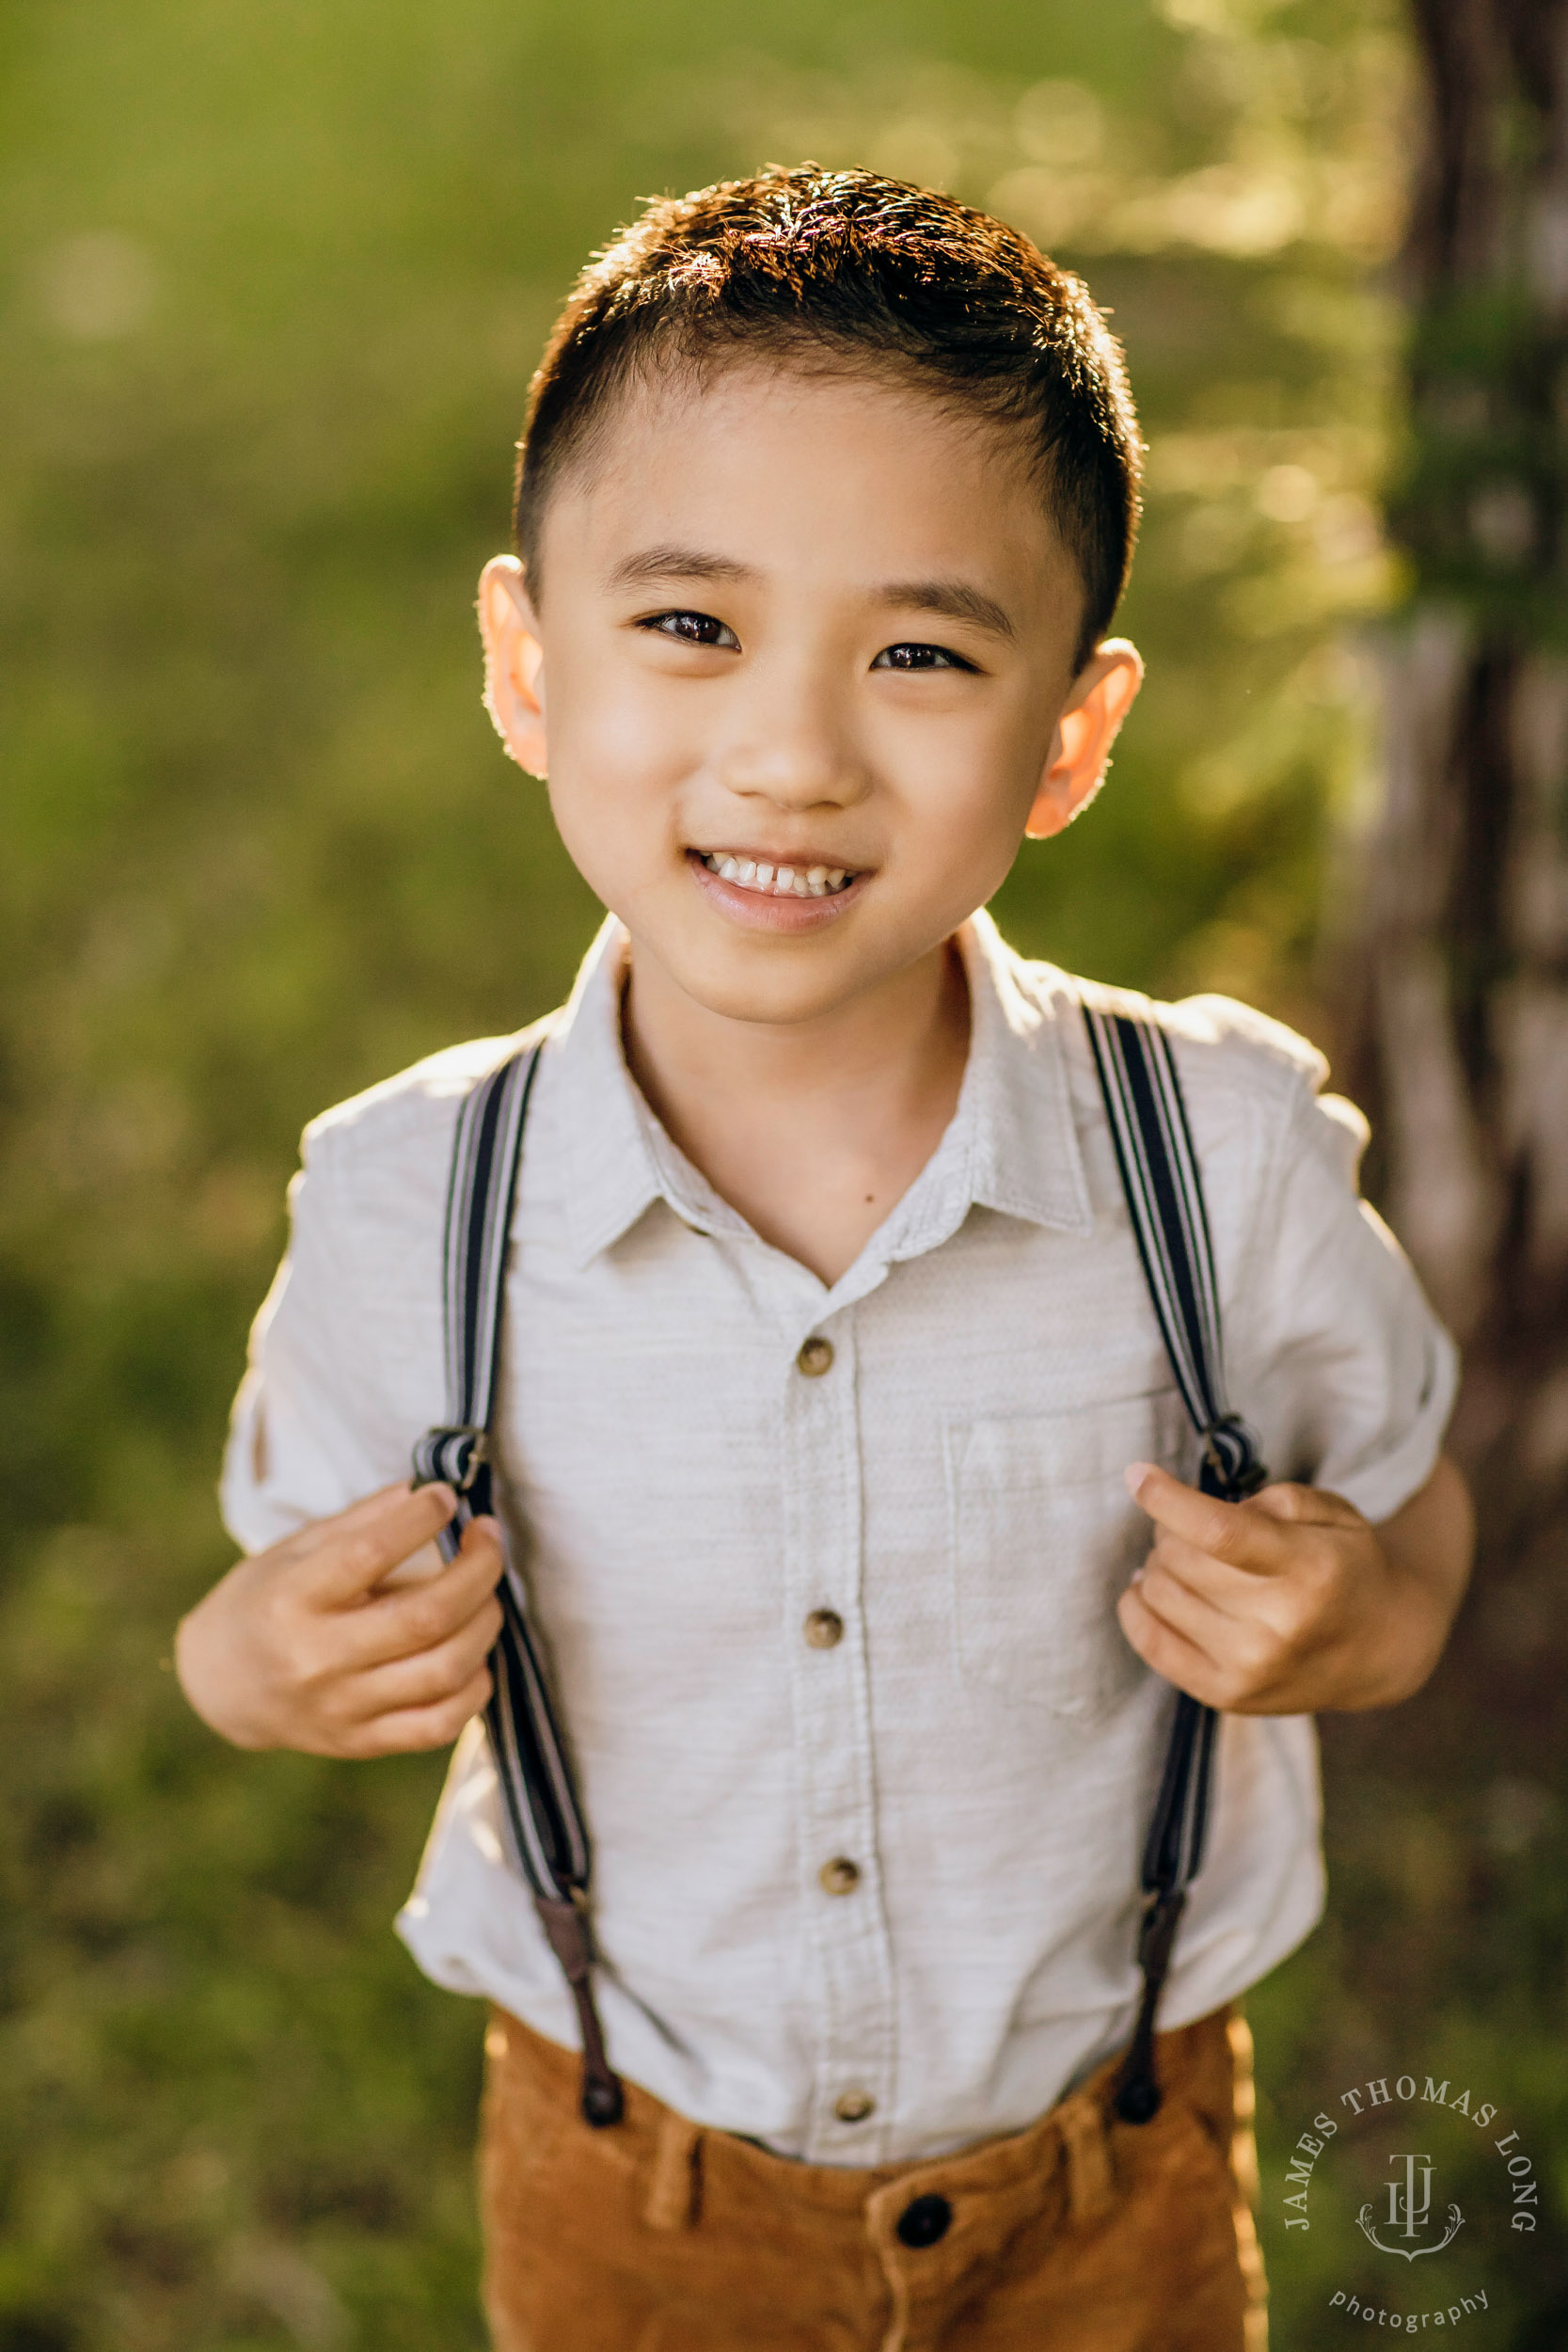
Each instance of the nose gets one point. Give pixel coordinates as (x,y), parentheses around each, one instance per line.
(792,739)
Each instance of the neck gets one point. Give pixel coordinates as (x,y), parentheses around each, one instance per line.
(813,1129)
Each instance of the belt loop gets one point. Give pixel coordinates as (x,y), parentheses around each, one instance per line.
(674,2185)
(1091,2189)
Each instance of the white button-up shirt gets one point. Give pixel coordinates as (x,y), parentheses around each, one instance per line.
(683,1495)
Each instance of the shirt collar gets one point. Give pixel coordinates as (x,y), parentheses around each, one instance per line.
(1011,1145)
(1025,1158)
(613,1175)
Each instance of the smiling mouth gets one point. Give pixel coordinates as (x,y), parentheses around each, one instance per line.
(776,880)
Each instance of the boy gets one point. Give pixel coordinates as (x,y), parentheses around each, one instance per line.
(826,1348)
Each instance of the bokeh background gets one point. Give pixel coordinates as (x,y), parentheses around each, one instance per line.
(272,282)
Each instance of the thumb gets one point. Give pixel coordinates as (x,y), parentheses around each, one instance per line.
(345,1557)
(1305,1506)
(486,1539)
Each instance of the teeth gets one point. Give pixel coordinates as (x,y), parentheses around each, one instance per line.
(783,881)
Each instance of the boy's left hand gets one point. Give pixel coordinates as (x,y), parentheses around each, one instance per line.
(1292,1604)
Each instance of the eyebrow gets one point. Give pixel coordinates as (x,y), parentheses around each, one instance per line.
(953,599)
(672,562)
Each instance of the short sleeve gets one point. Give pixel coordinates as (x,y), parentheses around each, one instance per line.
(331,1400)
(1332,1352)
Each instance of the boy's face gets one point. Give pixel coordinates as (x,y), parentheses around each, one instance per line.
(815,626)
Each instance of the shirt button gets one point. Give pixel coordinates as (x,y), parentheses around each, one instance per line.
(824,1628)
(815,1356)
(840,1876)
(853,2106)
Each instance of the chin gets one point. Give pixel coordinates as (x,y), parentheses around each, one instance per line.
(775,990)
(780,1006)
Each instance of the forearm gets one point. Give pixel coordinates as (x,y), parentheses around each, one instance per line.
(1428,1544)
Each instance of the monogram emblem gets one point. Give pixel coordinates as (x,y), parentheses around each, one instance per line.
(1409,2206)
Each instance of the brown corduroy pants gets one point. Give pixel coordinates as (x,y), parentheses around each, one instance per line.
(1081,2233)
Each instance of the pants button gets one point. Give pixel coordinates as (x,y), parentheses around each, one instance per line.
(924,2221)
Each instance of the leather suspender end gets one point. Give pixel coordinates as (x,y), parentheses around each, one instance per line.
(1136,2098)
(565,1923)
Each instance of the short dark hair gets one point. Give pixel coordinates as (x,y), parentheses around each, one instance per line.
(846,268)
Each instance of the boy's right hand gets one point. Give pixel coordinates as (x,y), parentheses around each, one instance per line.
(298,1649)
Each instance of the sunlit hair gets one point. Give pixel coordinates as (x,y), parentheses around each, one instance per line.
(845,270)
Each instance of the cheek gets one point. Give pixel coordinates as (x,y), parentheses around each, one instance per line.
(616,765)
(599,721)
(969,781)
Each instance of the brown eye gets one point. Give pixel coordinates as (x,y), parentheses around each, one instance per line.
(693,628)
(916,656)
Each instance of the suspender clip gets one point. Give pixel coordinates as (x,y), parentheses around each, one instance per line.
(1232,1464)
(475,1455)
(456,1455)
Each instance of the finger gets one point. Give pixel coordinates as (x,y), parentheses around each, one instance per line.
(341,1559)
(427,1561)
(1236,1531)
(408,1729)
(1192,1614)
(1171,1654)
(1232,1592)
(1245,1652)
(428,1675)
(315,1535)
(1309,1506)
(413,1618)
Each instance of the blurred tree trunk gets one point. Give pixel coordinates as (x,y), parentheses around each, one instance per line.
(1458,1030)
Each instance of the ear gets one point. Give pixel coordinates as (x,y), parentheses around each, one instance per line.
(1102,696)
(514,662)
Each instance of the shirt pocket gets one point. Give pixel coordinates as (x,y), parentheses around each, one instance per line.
(1043,1539)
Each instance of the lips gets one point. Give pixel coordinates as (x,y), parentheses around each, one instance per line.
(788,898)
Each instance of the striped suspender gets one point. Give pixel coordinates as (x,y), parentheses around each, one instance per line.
(539,1803)
(1165,1198)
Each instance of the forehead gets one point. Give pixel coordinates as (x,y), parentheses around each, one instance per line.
(809,469)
